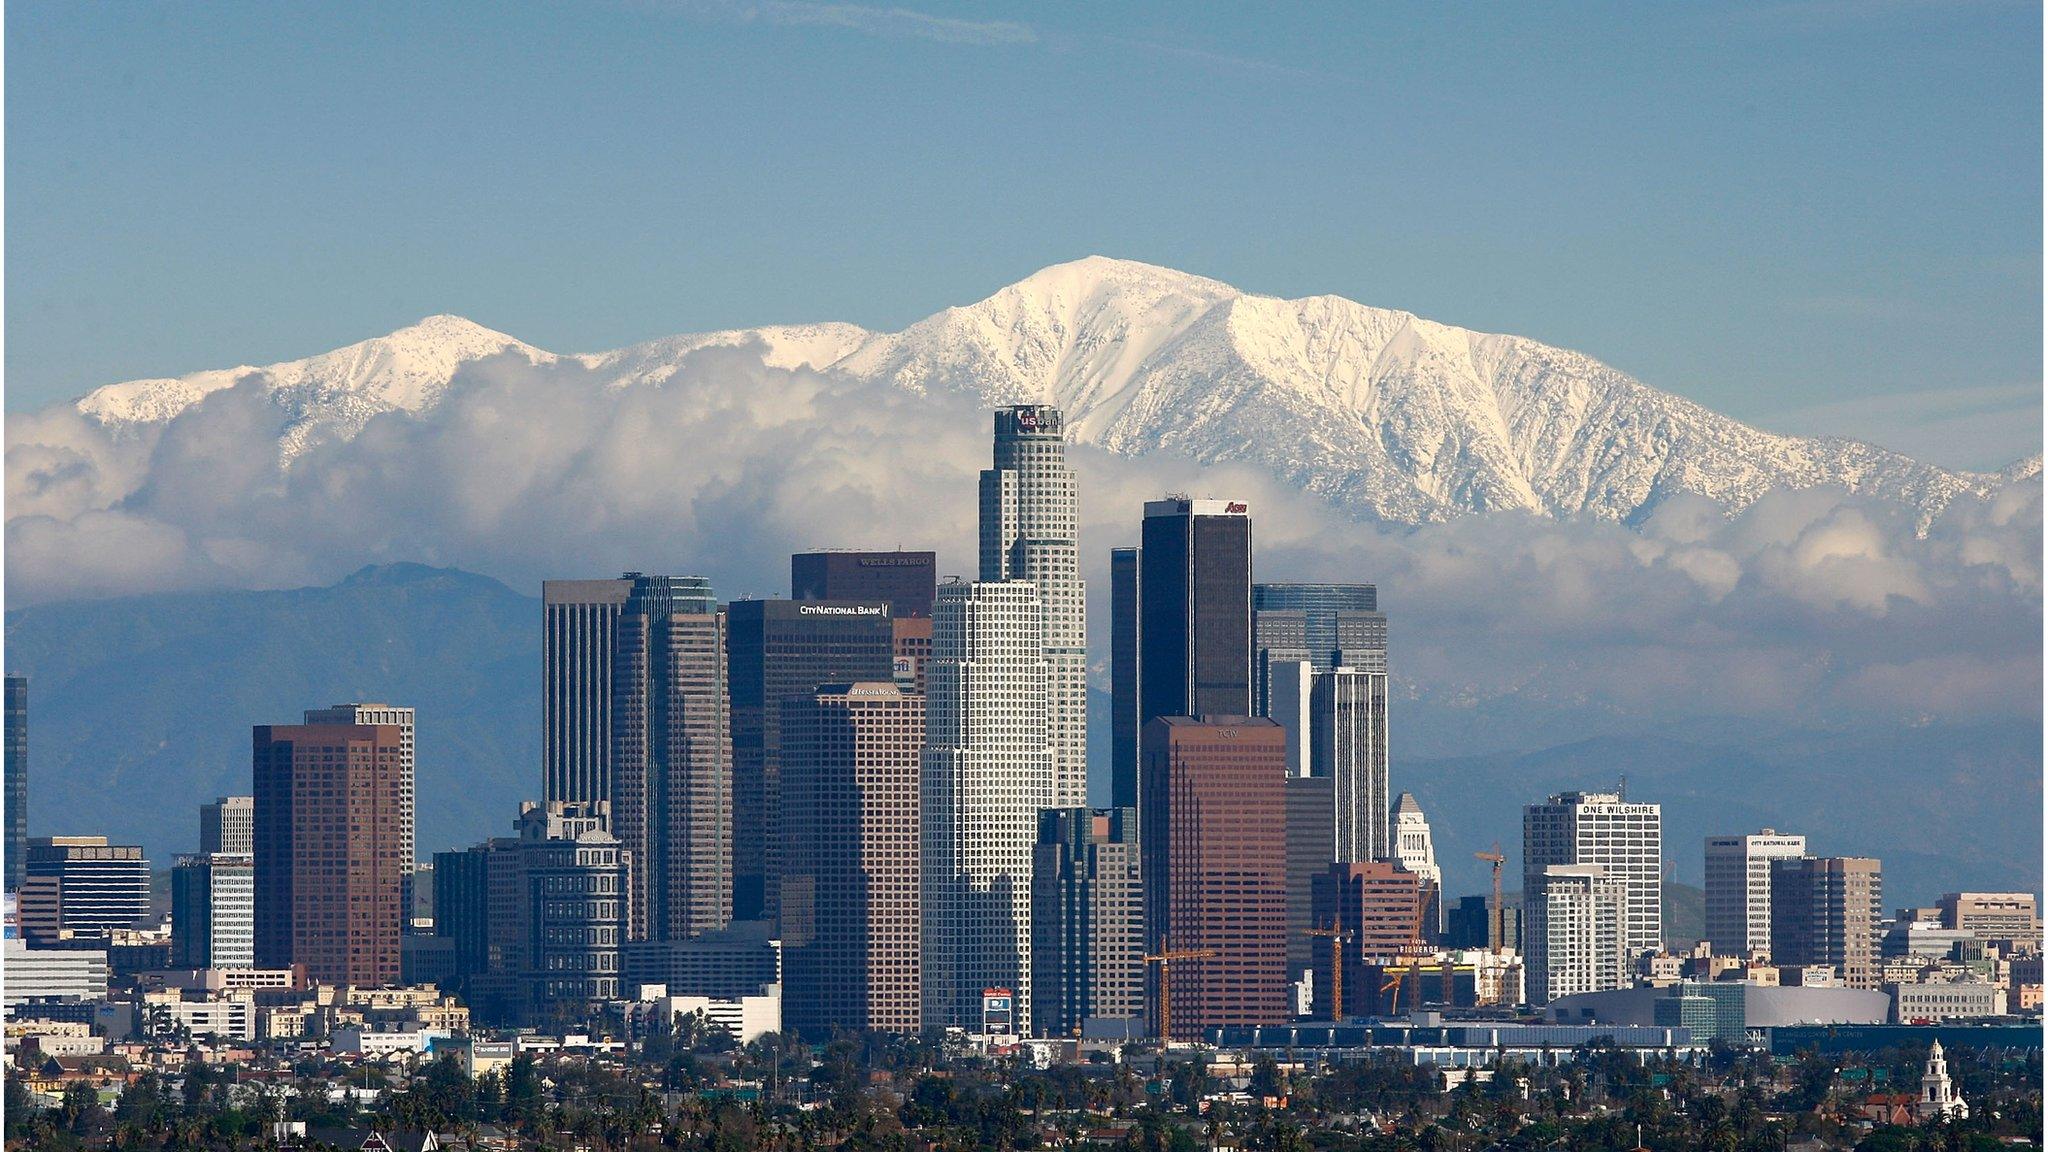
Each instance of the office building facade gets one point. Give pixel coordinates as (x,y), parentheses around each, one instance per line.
(1382,912)
(1992,915)
(672,767)
(401,719)
(852,899)
(1213,825)
(987,771)
(329,856)
(1415,850)
(213,911)
(1194,614)
(1087,919)
(1311,849)
(14,749)
(1030,514)
(1575,932)
(80,886)
(1623,838)
(1328,625)
(1124,671)
(579,631)
(1826,911)
(1348,744)
(1738,889)
(906,581)
(777,651)
(228,826)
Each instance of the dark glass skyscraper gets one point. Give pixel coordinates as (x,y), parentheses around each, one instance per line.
(1124,719)
(1195,609)
(779,650)
(1328,625)
(907,580)
(17,778)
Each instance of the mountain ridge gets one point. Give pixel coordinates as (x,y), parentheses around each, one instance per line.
(1390,415)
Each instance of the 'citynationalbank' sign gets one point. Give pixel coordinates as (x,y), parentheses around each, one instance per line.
(841,610)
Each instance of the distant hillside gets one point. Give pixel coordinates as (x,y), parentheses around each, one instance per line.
(140,707)
(1685,916)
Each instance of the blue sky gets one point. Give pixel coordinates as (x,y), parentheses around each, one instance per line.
(1817,216)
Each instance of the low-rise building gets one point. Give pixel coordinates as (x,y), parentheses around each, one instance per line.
(1936,1002)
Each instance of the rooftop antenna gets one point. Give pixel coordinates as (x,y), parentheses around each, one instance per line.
(1624,788)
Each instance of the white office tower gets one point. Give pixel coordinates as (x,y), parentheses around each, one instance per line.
(1289,684)
(1030,512)
(986,772)
(1625,840)
(1348,743)
(1739,889)
(1414,851)
(1572,935)
(384,714)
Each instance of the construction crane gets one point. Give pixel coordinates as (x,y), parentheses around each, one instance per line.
(1412,953)
(1494,918)
(1338,938)
(1162,958)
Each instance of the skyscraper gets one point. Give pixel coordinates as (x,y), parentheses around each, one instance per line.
(1348,743)
(402,719)
(1030,512)
(1328,625)
(1215,867)
(1624,839)
(1087,919)
(579,629)
(1382,907)
(1415,849)
(228,826)
(213,911)
(538,919)
(986,773)
(1194,615)
(1311,848)
(1574,931)
(81,885)
(1825,911)
(16,796)
(329,858)
(672,772)
(851,930)
(778,650)
(1124,670)
(1738,895)
(907,580)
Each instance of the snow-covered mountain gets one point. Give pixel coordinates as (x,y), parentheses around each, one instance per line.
(1386,414)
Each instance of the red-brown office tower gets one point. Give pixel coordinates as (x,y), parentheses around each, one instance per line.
(330,852)
(1213,828)
(851,925)
(1382,908)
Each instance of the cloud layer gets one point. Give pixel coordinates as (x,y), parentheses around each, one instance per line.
(1809,606)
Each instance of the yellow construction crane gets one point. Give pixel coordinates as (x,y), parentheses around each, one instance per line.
(1493,911)
(1162,958)
(1338,938)
(1412,952)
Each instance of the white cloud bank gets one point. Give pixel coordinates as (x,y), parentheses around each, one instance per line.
(1807,606)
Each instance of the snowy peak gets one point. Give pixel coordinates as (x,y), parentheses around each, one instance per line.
(1387,414)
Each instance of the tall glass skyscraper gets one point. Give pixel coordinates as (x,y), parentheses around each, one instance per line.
(17,778)
(1328,625)
(1195,609)
(1030,513)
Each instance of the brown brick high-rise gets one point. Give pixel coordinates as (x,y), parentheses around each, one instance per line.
(851,925)
(330,851)
(1213,833)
